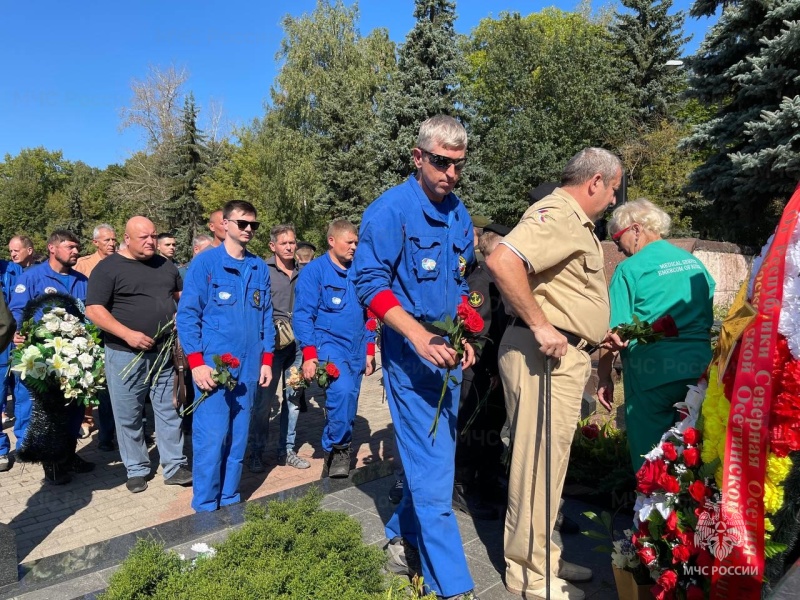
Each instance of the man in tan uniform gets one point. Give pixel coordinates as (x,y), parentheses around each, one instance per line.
(563,314)
(105,240)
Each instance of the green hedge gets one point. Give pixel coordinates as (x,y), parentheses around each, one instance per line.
(289,550)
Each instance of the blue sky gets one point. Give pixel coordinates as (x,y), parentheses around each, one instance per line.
(69,65)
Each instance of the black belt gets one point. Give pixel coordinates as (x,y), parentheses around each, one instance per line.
(573,340)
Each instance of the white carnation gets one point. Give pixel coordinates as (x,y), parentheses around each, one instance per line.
(85,361)
(51,326)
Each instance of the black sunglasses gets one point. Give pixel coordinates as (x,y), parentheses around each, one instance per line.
(242,224)
(443,162)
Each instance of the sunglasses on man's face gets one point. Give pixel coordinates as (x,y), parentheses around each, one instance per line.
(443,162)
(242,224)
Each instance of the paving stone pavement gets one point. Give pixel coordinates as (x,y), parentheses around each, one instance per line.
(97,506)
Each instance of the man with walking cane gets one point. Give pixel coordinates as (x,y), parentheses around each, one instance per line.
(559,320)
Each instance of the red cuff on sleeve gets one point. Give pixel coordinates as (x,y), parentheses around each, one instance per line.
(266,359)
(195,359)
(382,302)
(309,353)
(370,348)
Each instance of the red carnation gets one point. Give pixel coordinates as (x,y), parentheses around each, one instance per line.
(669,451)
(227,358)
(647,555)
(332,370)
(669,483)
(590,431)
(691,436)
(234,364)
(660,593)
(668,580)
(681,554)
(665,325)
(647,477)
(691,457)
(372,325)
(473,322)
(672,522)
(371,315)
(698,491)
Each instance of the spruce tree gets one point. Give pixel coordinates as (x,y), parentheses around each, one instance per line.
(748,70)
(184,212)
(425,84)
(647,38)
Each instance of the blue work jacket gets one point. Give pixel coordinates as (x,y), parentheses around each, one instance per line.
(328,320)
(9,273)
(415,248)
(226,307)
(42,279)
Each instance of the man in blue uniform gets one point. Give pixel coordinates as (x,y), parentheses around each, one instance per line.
(415,245)
(330,325)
(55,275)
(226,308)
(9,272)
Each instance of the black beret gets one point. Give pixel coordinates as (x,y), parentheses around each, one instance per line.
(540,191)
(302,244)
(498,229)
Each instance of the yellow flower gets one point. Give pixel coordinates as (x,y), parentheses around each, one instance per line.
(778,468)
(773,497)
(715,423)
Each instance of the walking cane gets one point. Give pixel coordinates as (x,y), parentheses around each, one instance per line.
(547,469)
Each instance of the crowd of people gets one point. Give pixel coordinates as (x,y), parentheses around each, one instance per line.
(539,286)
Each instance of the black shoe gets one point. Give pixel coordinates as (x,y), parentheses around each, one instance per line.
(474,507)
(136,484)
(78,465)
(56,473)
(183,476)
(149,440)
(566,525)
(396,491)
(106,446)
(339,465)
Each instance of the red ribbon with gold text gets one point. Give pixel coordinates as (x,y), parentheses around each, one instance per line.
(740,573)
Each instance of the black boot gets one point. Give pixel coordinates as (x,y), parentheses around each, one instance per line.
(56,473)
(475,507)
(339,465)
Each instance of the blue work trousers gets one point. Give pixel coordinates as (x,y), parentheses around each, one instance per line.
(127,401)
(341,403)
(282,361)
(219,438)
(425,515)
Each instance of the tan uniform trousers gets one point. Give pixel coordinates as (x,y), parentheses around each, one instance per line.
(527,528)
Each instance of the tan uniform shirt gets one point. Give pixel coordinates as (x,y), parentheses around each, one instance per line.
(86,264)
(568,281)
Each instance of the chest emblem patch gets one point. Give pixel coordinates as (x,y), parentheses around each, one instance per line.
(475,299)
(336,300)
(428,264)
(50,290)
(19,289)
(224,295)
(257,297)
(462,265)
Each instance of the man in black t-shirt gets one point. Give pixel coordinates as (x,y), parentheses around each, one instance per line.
(131,296)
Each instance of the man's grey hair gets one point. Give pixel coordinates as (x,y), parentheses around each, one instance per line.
(444,130)
(99,228)
(200,239)
(280,230)
(589,162)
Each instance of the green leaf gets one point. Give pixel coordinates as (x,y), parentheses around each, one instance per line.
(708,469)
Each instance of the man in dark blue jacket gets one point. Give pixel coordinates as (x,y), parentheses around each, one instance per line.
(330,325)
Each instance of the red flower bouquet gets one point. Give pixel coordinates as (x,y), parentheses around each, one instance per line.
(466,327)
(324,376)
(221,375)
(647,333)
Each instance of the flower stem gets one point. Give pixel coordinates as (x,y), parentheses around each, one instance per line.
(435,424)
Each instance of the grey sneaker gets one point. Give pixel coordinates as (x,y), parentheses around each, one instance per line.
(402,558)
(292,460)
(5,464)
(255,465)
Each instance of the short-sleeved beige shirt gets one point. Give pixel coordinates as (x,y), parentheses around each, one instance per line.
(86,264)
(568,281)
